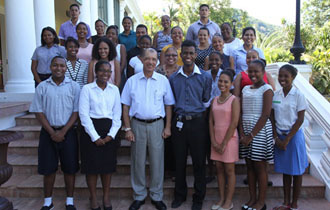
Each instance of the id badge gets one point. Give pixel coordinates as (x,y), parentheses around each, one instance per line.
(179,125)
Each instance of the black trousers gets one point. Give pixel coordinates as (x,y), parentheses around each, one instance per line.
(192,137)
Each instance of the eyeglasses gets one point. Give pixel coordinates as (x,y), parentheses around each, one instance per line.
(171,55)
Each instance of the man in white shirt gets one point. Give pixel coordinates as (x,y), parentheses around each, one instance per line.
(204,21)
(147,97)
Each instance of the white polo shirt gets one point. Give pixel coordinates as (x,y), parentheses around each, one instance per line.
(286,108)
(147,96)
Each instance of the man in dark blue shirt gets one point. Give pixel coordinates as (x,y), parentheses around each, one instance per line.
(191,88)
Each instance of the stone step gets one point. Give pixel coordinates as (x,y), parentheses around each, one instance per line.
(31,186)
(29,119)
(120,204)
(30,132)
(28,164)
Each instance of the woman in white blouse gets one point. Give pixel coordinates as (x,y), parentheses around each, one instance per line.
(100,112)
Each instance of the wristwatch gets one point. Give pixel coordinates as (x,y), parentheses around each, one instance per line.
(127,129)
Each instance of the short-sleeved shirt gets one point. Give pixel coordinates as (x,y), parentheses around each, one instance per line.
(192,33)
(179,62)
(286,108)
(44,56)
(128,40)
(201,55)
(239,56)
(68,29)
(215,91)
(85,53)
(190,92)
(132,53)
(137,64)
(79,73)
(228,48)
(57,102)
(147,96)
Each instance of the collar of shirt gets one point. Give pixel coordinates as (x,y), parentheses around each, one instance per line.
(291,92)
(94,85)
(218,74)
(209,22)
(51,81)
(241,48)
(78,21)
(196,71)
(142,76)
(130,33)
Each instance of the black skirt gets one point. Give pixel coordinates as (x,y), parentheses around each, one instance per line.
(98,159)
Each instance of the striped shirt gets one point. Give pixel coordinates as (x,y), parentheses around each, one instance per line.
(80,72)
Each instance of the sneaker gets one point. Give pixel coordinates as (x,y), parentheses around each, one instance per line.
(48,207)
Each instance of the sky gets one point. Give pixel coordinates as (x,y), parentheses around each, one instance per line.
(269,11)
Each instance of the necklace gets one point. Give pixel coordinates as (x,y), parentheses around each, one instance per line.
(221,102)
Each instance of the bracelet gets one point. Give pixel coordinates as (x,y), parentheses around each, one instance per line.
(251,135)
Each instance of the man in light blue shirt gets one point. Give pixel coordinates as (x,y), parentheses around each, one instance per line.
(55,105)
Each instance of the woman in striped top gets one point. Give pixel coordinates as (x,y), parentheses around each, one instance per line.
(77,69)
(256,143)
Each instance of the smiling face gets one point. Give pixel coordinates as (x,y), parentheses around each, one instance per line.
(217,43)
(251,56)
(48,37)
(99,27)
(177,35)
(112,35)
(166,22)
(145,43)
(81,31)
(188,55)
(58,68)
(204,12)
(224,83)
(226,32)
(255,73)
(127,24)
(104,50)
(203,36)
(215,62)
(140,31)
(103,74)
(149,61)
(285,78)
(249,37)
(171,56)
(72,49)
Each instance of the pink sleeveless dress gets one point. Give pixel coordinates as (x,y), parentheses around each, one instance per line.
(222,119)
(112,77)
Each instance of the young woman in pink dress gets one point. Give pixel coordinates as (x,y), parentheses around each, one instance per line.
(223,121)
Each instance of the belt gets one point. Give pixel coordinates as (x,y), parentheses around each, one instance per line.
(189,116)
(148,121)
(57,127)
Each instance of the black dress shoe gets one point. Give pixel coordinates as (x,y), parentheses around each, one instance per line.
(196,206)
(176,203)
(136,205)
(160,205)
(107,208)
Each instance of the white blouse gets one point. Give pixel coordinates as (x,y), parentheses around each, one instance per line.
(97,103)
(286,108)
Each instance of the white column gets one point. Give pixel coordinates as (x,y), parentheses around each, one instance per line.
(44,15)
(94,15)
(21,44)
(85,12)
(111,13)
(122,5)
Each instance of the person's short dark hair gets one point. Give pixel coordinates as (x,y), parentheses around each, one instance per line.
(216,53)
(204,5)
(206,29)
(99,64)
(226,23)
(81,23)
(99,20)
(260,63)
(248,28)
(142,26)
(112,49)
(188,43)
(51,30)
(145,37)
(175,28)
(74,5)
(112,27)
(128,18)
(291,69)
(71,39)
(230,73)
(55,57)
